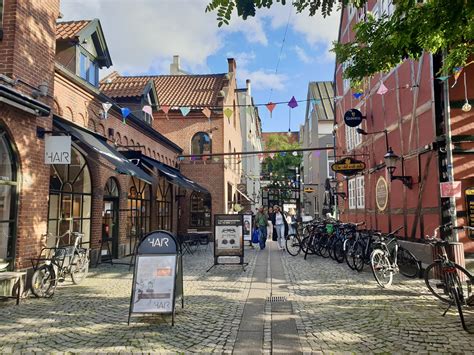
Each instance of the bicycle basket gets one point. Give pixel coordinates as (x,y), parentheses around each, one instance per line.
(330,228)
(63,252)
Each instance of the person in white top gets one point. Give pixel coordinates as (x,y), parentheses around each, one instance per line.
(270,224)
(279,221)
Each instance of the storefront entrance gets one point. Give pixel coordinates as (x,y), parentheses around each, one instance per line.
(110,225)
(138,211)
(8,197)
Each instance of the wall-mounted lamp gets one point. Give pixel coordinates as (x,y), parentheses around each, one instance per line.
(364,133)
(334,184)
(41,91)
(391,160)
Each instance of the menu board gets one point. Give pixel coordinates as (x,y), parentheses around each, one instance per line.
(154,284)
(228,235)
(470,209)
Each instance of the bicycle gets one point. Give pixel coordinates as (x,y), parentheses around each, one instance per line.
(389,258)
(59,262)
(293,240)
(448,281)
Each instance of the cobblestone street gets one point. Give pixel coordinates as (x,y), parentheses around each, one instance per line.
(334,309)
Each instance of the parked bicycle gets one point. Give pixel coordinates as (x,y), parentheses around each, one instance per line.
(448,281)
(389,258)
(293,240)
(60,261)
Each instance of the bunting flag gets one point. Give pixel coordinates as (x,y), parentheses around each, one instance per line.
(283,154)
(293,103)
(295,154)
(317,153)
(457,73)
(185,110)
(106,107)
(272,155)
(228,112)
(147,109)
(165,109)
(270,106)
(357,95)
(443,78)
(216,159)
(382,89)
(125,111)
(206,112)
(181,158)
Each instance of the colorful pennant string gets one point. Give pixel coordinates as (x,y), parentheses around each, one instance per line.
(382,89)
(293,103)
(457,73)
(165,109)
(184,110)
(228,112)
(270,106)
(147,109)
(317,153)
(358,95)
(106,107)
(206,112)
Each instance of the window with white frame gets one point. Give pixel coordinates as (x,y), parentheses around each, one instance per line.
(346,83)
(352,194)
(360,192)
(331,173)
(353,139)
(386,7)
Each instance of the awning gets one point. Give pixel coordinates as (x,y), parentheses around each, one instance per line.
(23,102)
(174,176)
(244,195)
(122,165)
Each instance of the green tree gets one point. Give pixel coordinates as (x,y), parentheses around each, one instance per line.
(279,165)
(381,44)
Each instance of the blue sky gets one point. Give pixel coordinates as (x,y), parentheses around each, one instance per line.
(143,36)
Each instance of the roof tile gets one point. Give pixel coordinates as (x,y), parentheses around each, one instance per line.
(69,29)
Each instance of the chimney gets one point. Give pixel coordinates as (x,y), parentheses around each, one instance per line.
(174,67)
(249,88)
(232,65)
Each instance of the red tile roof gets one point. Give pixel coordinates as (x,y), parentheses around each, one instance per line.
(70,29)
(172,90)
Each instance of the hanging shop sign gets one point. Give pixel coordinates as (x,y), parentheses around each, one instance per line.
(381,193)
(450,189)
(57,150)
(247,227)
(308,190)
(353,117)
(348,166)
(470,209)
(158,275)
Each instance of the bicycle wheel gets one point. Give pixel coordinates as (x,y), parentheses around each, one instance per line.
(349,252)
(305,245)
(457,297)
(407,263)
(381,268)
(293,245)
(43,281)
(358,256)
(436,278)
(338,250)
(80,268)
(323,249)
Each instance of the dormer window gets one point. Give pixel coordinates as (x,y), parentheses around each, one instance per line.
(89,70)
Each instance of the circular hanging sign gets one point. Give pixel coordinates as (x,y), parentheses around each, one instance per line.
(381,193)
(353,117)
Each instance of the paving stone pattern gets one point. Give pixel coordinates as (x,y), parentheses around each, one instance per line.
(341,310)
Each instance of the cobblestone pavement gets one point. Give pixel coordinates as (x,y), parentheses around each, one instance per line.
(341,310)
(92,317)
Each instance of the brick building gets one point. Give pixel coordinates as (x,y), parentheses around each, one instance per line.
(197,133)
(419,114)
(122,179)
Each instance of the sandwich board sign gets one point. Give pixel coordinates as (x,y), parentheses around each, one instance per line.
(157,276)
(228,238)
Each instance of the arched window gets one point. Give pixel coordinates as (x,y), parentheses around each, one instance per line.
(111,188)
(201,144)
(200,210)
(138,215)
(164,204)
(8,187)
(70,197)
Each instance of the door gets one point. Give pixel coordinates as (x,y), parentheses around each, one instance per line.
(110,224)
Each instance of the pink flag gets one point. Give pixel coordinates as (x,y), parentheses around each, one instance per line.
(382,89)
(165,108)
(270,106)
(206,112)
(147,109)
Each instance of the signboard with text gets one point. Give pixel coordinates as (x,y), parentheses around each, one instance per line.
(348,166)
(57,150)
(158,267)
(229,235)
(353,117)
(381,193)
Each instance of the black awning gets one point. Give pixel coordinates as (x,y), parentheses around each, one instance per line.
(122,164)
(23,102)
(174,176)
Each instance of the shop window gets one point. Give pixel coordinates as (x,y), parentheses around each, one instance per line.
(88,69)
(164,204)
(201,144)
(8,188)
(200,210)
(138,209)
(111,188)
(70,197)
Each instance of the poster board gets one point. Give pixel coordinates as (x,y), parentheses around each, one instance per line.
(158,268)
(248,227)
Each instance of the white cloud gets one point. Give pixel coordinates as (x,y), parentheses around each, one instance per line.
(302,55)
(243,59)
(144,36)
(264,79)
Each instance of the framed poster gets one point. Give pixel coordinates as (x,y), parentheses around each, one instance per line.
(229,235)
(247,227)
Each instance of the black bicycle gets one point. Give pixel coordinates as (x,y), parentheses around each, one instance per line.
(448,281)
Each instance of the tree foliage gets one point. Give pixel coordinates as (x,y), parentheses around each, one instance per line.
(381,44)
(279,165)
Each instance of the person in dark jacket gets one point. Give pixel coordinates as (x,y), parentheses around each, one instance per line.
(281,226)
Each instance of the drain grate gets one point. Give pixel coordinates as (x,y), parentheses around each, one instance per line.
(276,299)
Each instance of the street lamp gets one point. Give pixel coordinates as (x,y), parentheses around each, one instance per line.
(334,183)
(391,160)
(364,133)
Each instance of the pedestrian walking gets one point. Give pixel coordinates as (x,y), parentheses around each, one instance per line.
(270,224)
(261,221)
(281,226)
